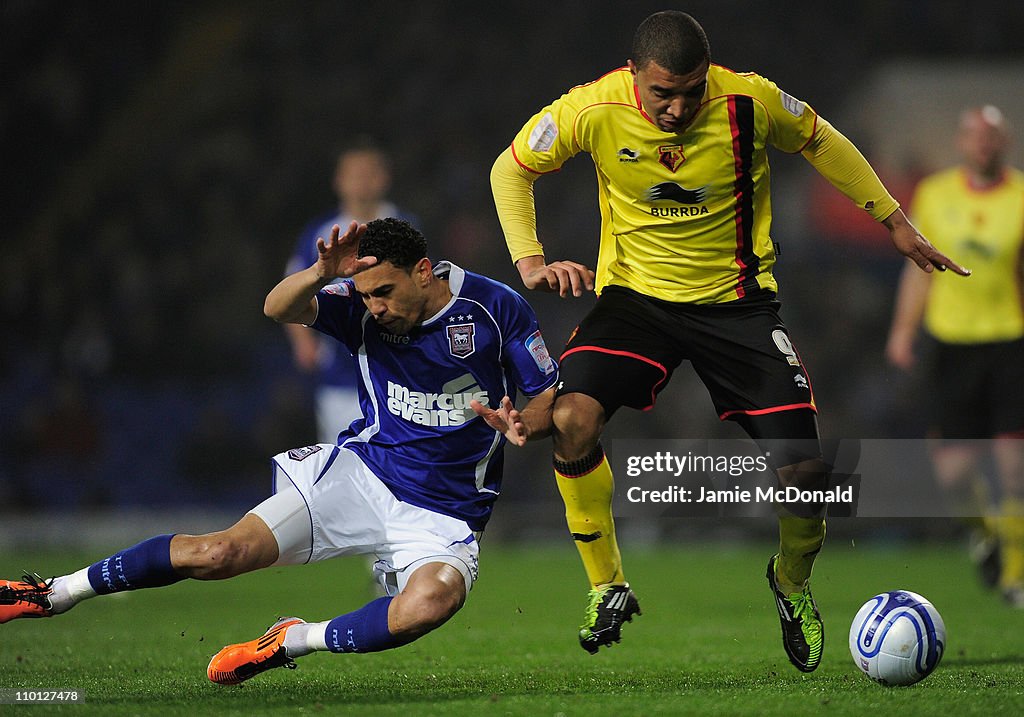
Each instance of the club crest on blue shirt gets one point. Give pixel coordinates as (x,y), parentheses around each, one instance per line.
(460,339)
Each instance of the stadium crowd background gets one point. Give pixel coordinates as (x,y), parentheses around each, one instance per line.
(160,159)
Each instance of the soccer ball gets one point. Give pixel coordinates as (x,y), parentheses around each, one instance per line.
(897,638)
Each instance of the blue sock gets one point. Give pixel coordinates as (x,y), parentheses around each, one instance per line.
(146,565)
(365,630)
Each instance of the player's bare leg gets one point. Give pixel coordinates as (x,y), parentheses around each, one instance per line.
(585,481)
(162,560)
(246,546)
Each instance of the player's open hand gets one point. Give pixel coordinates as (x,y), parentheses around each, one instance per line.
(914,246)
(505,419)
(337,255)
(565,277)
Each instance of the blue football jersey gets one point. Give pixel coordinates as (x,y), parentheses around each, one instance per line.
(418,433)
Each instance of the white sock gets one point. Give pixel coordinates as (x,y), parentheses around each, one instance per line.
(69,590)
(306,638)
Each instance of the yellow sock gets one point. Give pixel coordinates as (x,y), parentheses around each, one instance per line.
(1011,542)
(800,539)
(588,512)
(969,499)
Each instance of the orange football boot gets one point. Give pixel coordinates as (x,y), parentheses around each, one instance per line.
(237,663)
(29,597)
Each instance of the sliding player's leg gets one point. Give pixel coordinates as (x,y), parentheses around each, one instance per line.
(156,562)
(335,506)
(434,593)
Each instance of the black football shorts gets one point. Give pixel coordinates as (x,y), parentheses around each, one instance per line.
(625,350)
(975,389)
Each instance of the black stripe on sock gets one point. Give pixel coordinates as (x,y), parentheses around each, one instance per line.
(580,466)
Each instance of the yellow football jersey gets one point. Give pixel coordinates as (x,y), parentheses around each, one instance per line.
(983,229)
(685,217)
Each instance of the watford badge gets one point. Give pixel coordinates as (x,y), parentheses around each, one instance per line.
(671,156)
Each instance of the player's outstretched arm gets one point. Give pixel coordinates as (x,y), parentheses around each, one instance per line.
(909,242)
(291,301)
(841,163)
(565,277)
(533,422)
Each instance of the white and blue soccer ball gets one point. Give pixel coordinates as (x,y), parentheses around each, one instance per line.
(897,638)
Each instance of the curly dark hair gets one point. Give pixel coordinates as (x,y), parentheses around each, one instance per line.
(393,240)
(672,39)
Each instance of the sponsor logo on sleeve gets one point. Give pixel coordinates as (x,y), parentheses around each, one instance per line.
(791,104)
(339,289)
(543,134)
(539,350)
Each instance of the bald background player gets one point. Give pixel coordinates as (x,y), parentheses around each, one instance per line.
(684,273)
(976,332)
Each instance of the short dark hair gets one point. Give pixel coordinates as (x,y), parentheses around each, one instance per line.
(393,240)
(673,40)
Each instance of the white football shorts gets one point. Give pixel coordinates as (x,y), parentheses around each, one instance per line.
(327,503)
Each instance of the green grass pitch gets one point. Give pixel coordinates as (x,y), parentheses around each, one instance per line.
(708,642)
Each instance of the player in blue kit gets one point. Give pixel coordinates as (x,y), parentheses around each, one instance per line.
(442,353)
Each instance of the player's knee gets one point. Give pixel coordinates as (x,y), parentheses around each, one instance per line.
(429,606)
(578,421)
(805,475)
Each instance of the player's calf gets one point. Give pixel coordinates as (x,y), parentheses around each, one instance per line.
(246,546)
(426,603)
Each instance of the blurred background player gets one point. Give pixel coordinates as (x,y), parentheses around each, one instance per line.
(975,332)
(362,179)
(684,273)
(413,481)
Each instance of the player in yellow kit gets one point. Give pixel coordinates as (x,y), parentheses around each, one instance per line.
(977,332)
(684,274)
